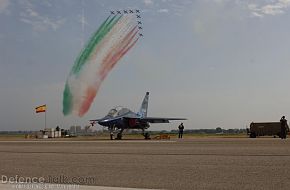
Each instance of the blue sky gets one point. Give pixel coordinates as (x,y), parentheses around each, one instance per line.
(219,63)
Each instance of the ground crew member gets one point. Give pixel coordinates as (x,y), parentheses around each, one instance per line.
(180,130)
(284,127)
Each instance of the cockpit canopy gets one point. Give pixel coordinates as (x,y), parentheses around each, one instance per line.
(118,111)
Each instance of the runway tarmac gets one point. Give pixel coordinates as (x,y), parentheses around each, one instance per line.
(199,163)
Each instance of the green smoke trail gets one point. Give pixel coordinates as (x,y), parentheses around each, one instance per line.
(67,100)
(102,31)
(102,51)
(105,27)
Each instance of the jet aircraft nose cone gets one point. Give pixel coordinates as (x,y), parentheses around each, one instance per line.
(102,122)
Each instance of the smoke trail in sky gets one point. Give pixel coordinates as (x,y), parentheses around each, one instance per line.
(114,38)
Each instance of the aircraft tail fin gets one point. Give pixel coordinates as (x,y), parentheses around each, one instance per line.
(144,106)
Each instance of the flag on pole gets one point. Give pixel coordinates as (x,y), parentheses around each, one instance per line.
(40,109)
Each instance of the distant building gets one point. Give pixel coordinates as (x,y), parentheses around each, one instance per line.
(75,130)
(48,133)
(88,129)
(78,129)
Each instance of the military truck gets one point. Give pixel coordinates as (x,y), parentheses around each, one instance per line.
(265,129)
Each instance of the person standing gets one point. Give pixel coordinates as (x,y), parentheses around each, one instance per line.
(284,127)
(180,131)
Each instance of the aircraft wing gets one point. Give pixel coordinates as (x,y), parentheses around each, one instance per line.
(114,118)
(95,120)
(145,119)
(159,119)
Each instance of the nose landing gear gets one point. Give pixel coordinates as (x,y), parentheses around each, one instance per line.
(119,134)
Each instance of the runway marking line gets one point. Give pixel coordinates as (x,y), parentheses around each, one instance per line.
(146,154)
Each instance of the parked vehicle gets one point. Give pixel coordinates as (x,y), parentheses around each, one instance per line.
(265,129)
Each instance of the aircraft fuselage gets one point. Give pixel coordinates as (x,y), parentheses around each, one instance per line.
(121,121)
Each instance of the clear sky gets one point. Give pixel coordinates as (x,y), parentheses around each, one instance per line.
(219,63)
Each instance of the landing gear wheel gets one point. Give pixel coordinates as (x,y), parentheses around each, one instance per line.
(253,135)
(147,136)
(112,136)
(119,136)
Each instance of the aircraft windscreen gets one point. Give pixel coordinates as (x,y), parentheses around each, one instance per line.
(112,112)
(123,111)
(118,111)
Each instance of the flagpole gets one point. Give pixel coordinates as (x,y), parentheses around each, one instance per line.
(45,117)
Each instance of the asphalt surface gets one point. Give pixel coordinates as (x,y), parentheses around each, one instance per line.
(200,163)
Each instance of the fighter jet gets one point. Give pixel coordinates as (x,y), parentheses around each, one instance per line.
(118,119)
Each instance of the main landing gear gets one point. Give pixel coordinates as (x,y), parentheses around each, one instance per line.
(119,135)
(146,135)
